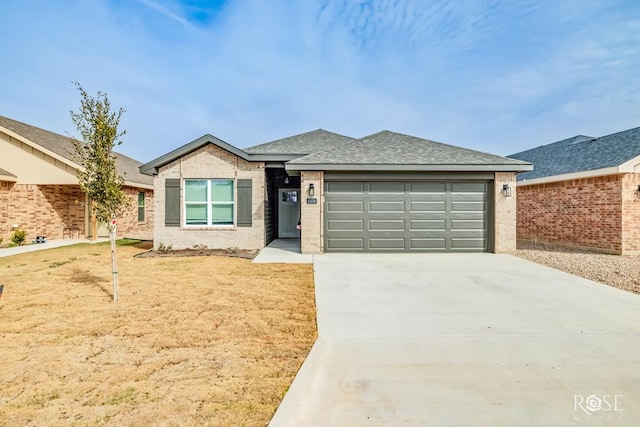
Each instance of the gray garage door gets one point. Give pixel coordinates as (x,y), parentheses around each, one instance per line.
(405,216)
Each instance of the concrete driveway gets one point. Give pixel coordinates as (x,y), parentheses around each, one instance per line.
(465,340)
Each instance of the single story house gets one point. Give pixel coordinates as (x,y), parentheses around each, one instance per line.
(39,189)
(382,193)
(584,192)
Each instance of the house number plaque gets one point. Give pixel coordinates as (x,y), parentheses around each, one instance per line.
(312,201)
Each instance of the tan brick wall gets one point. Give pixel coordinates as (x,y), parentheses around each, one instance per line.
(40,209)
(48,209)
(211,162)
(312,239)
(128,225)
(583,212)
(504,213)
(630,214)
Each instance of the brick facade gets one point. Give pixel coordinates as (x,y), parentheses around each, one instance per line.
(128,224)
(600,213)
(40,209)
(504,208)
(211,162)
(312,238)
(48,209)
(631,213)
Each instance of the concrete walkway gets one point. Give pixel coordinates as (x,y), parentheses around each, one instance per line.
(5,252)
(465,340)
(286,251)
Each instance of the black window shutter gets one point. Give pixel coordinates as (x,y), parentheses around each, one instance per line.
(244,203)
(172,202)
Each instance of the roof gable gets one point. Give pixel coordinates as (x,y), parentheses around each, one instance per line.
(62,146)
(304,143)
(581,153)
(397,150)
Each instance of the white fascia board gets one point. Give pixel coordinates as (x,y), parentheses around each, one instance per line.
(631,166)
(292,166)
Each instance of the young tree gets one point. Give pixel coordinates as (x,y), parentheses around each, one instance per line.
(99,178)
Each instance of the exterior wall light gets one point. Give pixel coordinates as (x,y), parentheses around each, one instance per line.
(638,193)
(506,190)
(312,190)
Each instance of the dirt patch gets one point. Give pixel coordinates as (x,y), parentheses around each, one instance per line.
(193,341)
(619,271)
(233,253)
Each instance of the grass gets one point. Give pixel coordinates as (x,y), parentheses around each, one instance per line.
(193,341)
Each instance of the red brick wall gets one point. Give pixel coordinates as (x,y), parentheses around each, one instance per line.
(40,209)
(128,225)
(630,214)
(581,212)
(48,209)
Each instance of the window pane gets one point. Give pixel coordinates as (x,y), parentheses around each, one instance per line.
(195,190)
(197,214)
(222,214)
(222,191)
(141,214)
(141,198)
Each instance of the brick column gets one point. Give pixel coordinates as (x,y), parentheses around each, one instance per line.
(505,213)
(311,214)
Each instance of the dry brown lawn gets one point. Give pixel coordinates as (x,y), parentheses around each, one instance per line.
(193,341)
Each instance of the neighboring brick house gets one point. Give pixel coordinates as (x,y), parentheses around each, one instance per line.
(386,192)
(584,192)
(39,189)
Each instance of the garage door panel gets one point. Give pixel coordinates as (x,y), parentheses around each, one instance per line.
(406,216)
(428,243)
(467,234)
(345,244)
(345,187)
(345,224)
(467,206)
(345,206)
(387,187)
(386,206)
(428,187)
(386,244)
(435,206)
(427,224)
(386,224)
(460,243)
(467,224)
(468,187)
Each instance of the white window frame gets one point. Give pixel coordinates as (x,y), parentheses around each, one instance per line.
(209,204)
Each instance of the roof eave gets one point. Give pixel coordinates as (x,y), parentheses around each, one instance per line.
(138,185)
(573,175)
(8,178)
(399,167)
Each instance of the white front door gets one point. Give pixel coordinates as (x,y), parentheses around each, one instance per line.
(288,213)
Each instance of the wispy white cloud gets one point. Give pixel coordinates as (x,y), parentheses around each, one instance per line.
(166,12)
(496,76)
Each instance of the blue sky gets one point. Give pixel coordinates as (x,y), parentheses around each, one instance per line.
(496,76)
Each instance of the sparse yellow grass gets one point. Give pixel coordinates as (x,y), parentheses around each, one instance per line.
(193,340)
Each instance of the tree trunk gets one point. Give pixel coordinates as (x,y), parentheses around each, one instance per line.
(114,261)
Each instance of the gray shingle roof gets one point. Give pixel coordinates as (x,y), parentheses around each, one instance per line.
(305,143)
(62,146)
(390,148)
(581,153)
